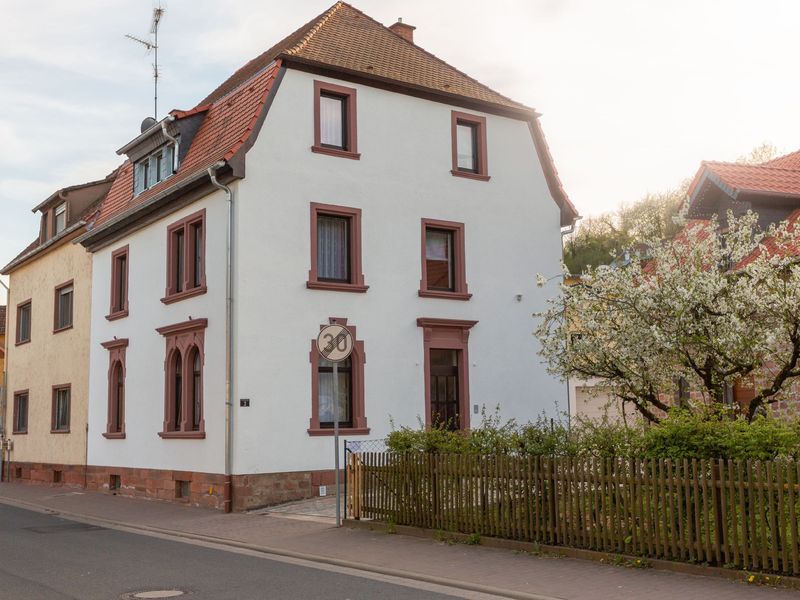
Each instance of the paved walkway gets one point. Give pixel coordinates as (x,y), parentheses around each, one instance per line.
(315,538)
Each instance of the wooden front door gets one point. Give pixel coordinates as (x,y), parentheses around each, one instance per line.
(444,388)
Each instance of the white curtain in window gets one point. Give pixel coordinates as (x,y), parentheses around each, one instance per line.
(139,176)
(465,144)
(437,245)
(332,248)
(166,162)
(326,394)
(330,121)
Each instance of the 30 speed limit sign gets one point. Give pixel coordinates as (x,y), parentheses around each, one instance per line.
(334,343)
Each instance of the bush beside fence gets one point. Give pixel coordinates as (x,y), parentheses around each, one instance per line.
(736,513)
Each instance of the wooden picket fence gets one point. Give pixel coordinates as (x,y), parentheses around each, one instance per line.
(740,514)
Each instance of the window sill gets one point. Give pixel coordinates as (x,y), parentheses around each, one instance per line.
(59,431)
(445,295)
(117,315)
(114,435)
(182,435)
(342,431)
(178,296)
(24,432)
(335,152)
(22,343)
(337,287)
(476,176)
(59,330)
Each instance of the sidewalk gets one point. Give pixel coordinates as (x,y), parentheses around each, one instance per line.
(315,538)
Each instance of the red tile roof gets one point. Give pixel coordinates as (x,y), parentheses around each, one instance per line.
(780,176)
(345,38)
(226,127)
(770,246)
(342,38)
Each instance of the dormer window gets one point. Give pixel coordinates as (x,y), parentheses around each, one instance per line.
(153,168)
(60,218)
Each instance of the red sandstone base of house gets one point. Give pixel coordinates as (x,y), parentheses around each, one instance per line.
(189,487)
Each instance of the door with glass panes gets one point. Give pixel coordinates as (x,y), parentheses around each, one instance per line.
(444,388)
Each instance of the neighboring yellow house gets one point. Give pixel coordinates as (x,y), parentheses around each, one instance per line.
(48,351)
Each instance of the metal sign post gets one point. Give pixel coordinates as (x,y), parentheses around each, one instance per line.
(334,343)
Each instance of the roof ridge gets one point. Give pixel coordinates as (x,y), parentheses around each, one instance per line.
(431,54)
(745,165)
(315,28)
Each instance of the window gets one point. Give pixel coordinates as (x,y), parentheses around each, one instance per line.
(20,424)
(186,270)
(63,307)
(183,396)
(445,349)
(60,218)
(327,403)
(115,425)
(119,284)
(469,146)
(153,168)
(24,322)
(45,228)
(335,120)
(336,249)
(352,418)
(443,260)
(61,407)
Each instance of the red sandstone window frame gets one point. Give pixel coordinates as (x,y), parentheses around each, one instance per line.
(350,127)
(116,410)
(57,306)
(20,307)
(447,334)
(460,289)
(119,283)
(183,339)
(462,118)
(356,283)
(358,360)
(14,426)
(182,285)
(53,417)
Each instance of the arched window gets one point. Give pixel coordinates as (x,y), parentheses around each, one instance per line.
(118,390)
(115,424)
(196,397)
(177,390)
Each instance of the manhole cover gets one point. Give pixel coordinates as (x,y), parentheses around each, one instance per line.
(155,594)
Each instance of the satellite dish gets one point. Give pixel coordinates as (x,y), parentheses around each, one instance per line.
(148,123)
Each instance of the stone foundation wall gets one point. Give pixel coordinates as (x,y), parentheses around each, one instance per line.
(188,487)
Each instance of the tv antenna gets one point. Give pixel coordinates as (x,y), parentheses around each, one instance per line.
(158,14)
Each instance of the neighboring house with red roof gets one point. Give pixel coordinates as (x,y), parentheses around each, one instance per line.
(344,175)
(47,394)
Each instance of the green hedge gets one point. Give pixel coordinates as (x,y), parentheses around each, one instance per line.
(680,435)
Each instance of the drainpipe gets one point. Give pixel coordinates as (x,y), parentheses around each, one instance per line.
(212,173)
(174,140)
(4,397)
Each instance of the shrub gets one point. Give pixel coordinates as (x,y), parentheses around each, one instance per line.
(680,435)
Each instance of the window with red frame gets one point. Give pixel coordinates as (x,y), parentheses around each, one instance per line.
(186,272)
(336,249)
(335,120)
(183,388)
(443,260)
(469,146)
(119,283)
(20,424)
(115,425)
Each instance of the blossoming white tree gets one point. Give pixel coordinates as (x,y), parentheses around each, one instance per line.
(716,305)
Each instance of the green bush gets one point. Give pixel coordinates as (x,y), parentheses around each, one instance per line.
(680,435)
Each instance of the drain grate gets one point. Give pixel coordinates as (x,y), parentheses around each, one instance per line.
(63,527)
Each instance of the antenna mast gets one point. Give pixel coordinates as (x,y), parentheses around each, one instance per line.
(158,14)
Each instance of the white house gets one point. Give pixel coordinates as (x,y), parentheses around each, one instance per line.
(345,175)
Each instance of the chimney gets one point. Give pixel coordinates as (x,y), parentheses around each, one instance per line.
(404,31)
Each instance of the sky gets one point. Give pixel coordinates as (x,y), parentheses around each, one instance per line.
(633,93)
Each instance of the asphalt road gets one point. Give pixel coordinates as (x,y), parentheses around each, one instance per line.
(44,557)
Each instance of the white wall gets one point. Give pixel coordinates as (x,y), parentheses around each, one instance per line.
(512,233)
(144,383)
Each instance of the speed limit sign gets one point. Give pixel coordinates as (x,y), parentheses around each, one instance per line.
(334,343)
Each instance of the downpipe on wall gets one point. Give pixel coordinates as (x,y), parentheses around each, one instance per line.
(212,173)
